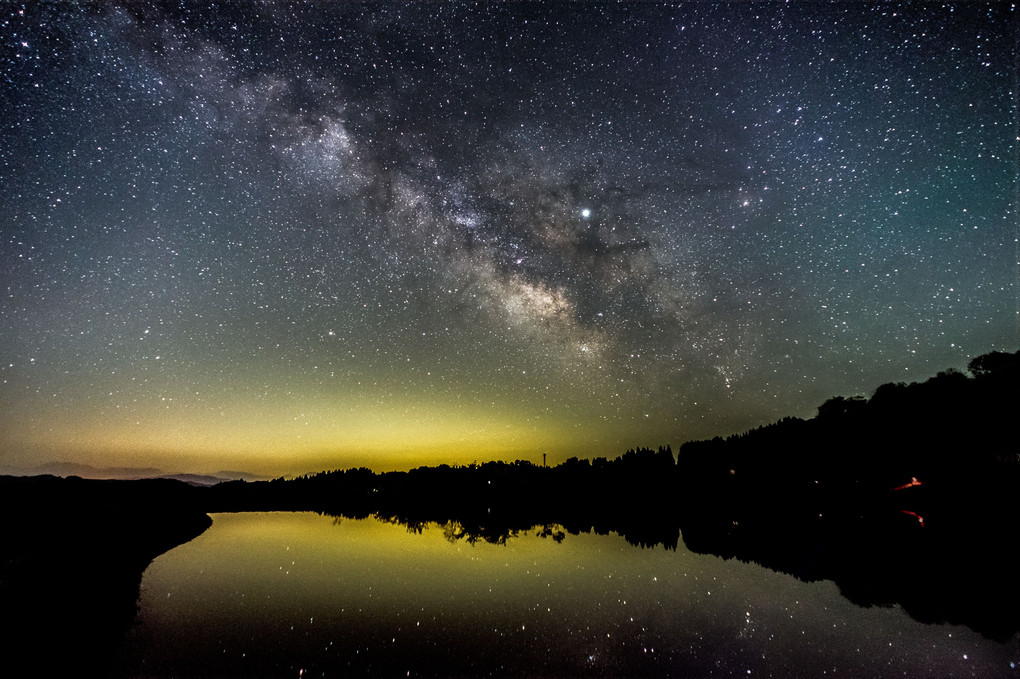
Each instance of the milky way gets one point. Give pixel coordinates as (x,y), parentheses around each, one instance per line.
(290,237)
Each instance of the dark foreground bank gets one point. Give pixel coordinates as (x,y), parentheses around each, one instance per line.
(71,562)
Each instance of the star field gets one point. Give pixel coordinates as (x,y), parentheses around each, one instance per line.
(288,237)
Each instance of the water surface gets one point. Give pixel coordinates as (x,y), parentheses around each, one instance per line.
(299,594)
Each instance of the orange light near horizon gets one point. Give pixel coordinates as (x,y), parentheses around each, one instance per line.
(920,519)
(913,482)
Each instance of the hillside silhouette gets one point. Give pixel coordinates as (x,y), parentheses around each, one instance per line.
(908,497)
(947,427)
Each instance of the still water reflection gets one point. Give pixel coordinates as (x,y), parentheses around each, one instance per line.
(303,595)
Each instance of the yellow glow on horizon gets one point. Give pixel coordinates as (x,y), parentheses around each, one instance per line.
(275,439)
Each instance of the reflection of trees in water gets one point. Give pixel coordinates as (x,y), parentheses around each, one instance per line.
(811,497)
(633,495)
(553,532)
(878,494)
(455,531)
(954,569)
(959,570)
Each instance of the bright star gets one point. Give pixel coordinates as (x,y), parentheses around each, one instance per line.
(586,213)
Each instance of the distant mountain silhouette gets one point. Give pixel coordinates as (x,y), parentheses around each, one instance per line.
(87,471)
(227,475)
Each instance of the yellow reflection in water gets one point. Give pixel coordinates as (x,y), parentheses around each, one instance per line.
(306,559)
(272,594)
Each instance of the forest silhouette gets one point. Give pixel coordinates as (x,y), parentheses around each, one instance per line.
(905,497)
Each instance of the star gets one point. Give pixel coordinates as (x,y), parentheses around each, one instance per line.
(358,212)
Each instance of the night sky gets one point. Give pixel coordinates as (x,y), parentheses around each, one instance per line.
(285,238)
